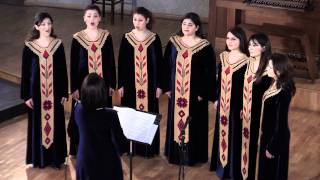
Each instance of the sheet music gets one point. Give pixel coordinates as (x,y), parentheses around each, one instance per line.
(136,125)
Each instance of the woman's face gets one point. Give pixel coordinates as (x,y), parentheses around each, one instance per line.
(233,43)
(139,22)
(92,19)
(255,49)
(270,70)
(188,27)
(45,27)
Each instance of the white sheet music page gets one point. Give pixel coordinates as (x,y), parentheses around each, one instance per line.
(136,125)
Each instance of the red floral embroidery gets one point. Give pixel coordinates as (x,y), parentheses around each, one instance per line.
(185,54)
(47,117)
(224,120)
(182,102)
(141,107)
(140,48)
(223,133)
(224,145)
(246,132)
(45,54)
(141,94)
(47,105)
(227,71)
(181,113)
(47,129)
(94,48)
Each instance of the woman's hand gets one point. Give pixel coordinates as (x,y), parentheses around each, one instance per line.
(29,103)
(121,91)
(111,91)
(158,92)
(168,94)
(63,100)
(215,105)
(75,95)
(269,155)
(241,114)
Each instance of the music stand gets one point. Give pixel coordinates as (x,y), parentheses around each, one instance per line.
(183,150)
(133,121)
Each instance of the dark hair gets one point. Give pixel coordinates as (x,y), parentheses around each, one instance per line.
(38,18)
(241,35)
(283,70)
(93,7)
(93,92)
(195,18)
(146,14)
(263,40)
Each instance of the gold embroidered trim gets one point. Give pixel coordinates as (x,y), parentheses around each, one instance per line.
(94,50)
(272,91)
(141,68)
(246,118)
(227,71)
(182,85)
(46,88)
(249,79)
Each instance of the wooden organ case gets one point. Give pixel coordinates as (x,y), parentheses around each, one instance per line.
(292,25)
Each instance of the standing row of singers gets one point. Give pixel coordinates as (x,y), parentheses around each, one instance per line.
(254,90)
(252,95)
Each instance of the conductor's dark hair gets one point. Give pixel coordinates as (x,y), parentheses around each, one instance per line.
(93,92)
(263,40)
(38,19)
(239,33)
(92,7)
(195,18)
(146,14)
(283,70)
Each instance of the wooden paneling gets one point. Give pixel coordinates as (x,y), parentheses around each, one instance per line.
(307,21)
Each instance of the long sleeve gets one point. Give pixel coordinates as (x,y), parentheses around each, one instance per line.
(74,65)
(159,60)
(212,77)
(217,91)
(281,123)
(25,74)
(109,69)
(209,74)
(61,72)
(121,62)
(167,60)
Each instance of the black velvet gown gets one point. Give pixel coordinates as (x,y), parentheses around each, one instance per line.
(275,135)
(101,144)
(201,83)
(127,74)
(37,154)
(80,69)
(251,108)
(231,99)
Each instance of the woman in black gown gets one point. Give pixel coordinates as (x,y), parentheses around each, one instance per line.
(91,51)
(189,70)
(44,88)
(226,150)
(275,133)
(255,84)
(140,82)
(101,136)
